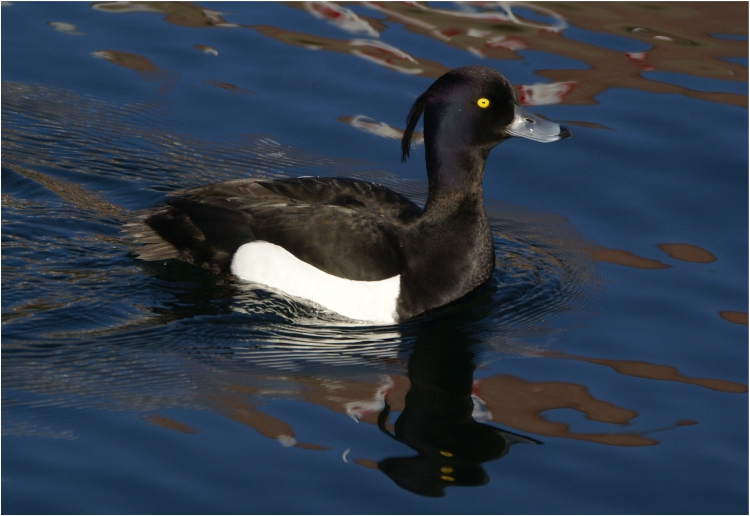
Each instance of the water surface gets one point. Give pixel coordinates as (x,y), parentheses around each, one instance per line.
(602,370)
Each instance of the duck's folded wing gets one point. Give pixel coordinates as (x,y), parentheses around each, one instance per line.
(169,232)
(371,197)
(348,229)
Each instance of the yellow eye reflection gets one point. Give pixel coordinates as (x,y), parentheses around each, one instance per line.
(483,103)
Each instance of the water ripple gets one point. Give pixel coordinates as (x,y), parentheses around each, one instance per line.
(87,325)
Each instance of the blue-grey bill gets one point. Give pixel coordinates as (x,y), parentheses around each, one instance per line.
(528,125)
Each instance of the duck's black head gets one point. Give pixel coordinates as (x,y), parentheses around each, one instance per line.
(467,112)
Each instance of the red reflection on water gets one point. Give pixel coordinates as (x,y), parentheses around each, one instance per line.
(343,18)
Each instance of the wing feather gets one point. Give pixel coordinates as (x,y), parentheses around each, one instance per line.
(344,227)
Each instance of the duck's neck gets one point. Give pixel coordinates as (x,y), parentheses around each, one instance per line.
(454,169)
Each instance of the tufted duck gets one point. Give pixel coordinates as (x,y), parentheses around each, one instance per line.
(353,247)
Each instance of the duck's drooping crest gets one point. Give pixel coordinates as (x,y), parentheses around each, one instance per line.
(354,247)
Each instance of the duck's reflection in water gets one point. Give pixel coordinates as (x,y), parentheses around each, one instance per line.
(441,418)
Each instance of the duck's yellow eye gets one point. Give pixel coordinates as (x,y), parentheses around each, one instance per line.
(483,103)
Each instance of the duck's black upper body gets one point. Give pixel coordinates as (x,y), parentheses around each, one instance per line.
(361,231)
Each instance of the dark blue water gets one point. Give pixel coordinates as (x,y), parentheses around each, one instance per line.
(604,368)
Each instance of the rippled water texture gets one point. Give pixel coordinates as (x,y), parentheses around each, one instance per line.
(603,369)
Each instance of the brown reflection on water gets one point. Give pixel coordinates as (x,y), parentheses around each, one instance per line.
(70,192)
(127,60)
(625,258)
(734,317)
(33,306)
(374,51)
(185,14)
(687,253)
(655,372)
(519,404)
(510,401)
(681,39)
(170,424)
(140,64)
(681,36)
(228,87)
(268,426)
(681,252)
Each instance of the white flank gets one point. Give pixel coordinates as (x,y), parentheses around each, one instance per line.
(274,266)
